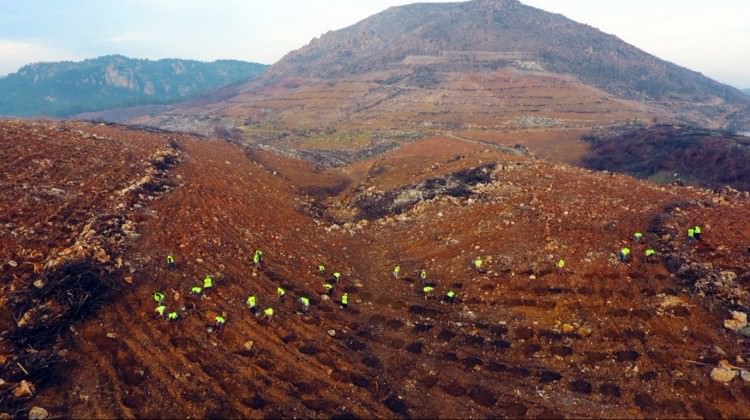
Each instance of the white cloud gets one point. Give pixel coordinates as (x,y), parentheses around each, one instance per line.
(16,54)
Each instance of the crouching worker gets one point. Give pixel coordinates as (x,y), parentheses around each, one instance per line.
(305,303)
(624,255)
(450,297)
(251,303)
(268,315)
(219,323)
(170,263)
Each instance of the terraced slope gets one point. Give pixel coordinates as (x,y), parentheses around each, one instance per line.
(601,339)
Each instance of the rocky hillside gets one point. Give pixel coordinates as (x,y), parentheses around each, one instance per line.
(480,63)
(66,88)
(90,213)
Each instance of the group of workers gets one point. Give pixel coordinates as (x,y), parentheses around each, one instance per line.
(428,286)
(198,291)
(330,282)
(693,234)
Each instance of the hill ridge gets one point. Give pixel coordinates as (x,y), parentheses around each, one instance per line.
(66,88)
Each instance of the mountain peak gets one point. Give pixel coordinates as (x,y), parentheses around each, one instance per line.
(487,49)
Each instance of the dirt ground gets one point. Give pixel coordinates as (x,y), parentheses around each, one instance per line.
(524,339)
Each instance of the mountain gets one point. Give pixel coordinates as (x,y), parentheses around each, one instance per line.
(481,64)
(90,212)
(63,89)
(746,91)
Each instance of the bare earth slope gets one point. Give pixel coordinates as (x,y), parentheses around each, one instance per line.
(603,339)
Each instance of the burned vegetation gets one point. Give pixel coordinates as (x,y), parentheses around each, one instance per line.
(374,205)
(677,154)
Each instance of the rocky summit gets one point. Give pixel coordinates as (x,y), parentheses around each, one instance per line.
(487,64)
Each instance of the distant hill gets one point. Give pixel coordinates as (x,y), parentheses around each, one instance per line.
(747,91)
(66,88)
(477,64)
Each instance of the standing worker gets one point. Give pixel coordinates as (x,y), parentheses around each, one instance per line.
(173,316)
(697,232)
(345,301)
(159,297)
(638,236)
(321,269)
(336,277)
(170,263)
(691,235)
(624,254)
(423,276)
(251,303)
(650,254)
(160,310)
(281,292)
(258,259)
(396,271)
(427,290)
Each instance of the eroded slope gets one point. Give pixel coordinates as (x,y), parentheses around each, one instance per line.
(602,339)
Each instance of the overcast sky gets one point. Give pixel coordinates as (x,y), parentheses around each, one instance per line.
(710,36)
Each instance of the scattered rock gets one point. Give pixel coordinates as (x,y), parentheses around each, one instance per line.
(745,375)
(39,283)
(38,413)
(12,263)
(3,359)
(248,345)
(332,333)
(24,389)
(723,375)
(737,322)
(568,328)
(745,332)
(725,372)
(584,331)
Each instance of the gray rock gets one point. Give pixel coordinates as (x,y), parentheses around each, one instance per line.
(745,332)
(38,413)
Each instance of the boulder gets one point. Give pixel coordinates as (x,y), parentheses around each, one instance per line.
(737,322)
(38,413)
(24,389)
(723,375)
